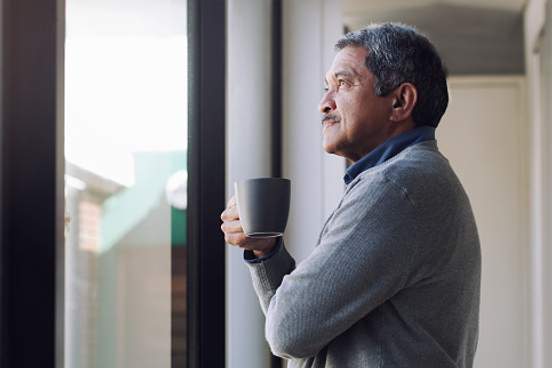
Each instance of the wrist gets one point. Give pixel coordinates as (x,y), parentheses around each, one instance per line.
(267,250)
(261,253)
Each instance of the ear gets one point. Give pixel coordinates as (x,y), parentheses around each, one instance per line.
(403,101)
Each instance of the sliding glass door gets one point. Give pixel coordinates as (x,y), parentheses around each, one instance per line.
(112,183)
(125,182)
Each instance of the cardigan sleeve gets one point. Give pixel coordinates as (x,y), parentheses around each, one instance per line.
(363,258)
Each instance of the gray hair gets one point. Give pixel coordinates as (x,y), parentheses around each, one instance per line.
(397,54)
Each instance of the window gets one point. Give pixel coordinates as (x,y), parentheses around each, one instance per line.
(125,181)
(127,283)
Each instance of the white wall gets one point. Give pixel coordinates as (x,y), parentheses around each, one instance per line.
(546,259)
(311,28)
(316,177)
(484,136)
(538,60)
(247,155)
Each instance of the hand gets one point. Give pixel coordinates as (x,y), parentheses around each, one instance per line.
(234,235)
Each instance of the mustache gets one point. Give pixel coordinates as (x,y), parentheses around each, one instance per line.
(335,118)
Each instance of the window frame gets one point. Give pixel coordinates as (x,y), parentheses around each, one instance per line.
(32,184)
(31,200)
(206,183)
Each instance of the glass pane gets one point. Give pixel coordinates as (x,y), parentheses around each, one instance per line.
(125,183)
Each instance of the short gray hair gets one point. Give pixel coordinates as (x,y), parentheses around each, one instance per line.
(397,54)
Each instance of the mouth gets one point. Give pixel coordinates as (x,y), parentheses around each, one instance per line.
(329,121)
(326,123)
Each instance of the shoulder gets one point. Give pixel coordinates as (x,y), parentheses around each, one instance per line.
(420,173)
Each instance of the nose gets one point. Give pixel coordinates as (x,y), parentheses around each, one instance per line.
(327,104)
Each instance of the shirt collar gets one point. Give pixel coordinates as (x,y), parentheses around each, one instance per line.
(388,149)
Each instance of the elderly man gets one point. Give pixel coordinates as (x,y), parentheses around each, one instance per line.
(394,280)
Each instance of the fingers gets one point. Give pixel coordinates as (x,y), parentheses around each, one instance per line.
(238,239)
(231,211)
(243,241)
(231,201)
(230,214)
(231,227)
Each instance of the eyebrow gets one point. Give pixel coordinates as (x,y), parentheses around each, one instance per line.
(343,73)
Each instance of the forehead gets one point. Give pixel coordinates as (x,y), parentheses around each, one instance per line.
(349,59)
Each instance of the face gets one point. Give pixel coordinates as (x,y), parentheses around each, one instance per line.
(354,119)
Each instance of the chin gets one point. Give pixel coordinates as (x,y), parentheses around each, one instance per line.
(332,149)
(328,147)
(334,143)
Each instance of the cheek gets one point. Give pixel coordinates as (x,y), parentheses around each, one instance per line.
(351,105)
(343,107)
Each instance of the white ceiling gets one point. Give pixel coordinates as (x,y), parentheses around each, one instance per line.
(364,6)
(472,36)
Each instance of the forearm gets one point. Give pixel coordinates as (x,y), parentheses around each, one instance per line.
(268,274)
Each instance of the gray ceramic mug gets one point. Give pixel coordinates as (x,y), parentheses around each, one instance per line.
(263,206)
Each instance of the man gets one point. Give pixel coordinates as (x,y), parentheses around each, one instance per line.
(394,280)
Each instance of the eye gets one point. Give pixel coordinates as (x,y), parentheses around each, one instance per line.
(342,83)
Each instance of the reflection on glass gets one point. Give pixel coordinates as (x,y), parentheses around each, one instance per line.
(125,183)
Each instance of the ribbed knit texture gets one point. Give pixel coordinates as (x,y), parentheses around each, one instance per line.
(394,280)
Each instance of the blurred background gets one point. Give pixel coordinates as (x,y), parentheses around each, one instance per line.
(125,181)
(121,198)
(128,264)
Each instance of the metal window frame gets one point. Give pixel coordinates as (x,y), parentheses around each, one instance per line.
(32,172)
(206,183)
(277,106)
(31,200)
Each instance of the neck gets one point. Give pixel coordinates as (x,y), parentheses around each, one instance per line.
(392,130)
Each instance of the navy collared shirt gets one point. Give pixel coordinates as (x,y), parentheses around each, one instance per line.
(388,149)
